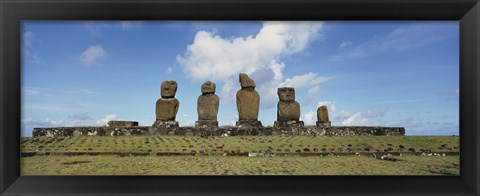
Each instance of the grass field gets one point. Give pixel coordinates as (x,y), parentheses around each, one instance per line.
(219,165)
(226,165)
(240,143)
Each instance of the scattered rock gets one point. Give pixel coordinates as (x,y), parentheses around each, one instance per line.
(219,146)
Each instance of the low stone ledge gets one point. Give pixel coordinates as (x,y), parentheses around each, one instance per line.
(220,131)
(288,124)
(365,130)
(122,123)
(206,123)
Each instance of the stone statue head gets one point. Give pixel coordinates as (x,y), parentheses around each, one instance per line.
(208,87)
(168,88)
(322,108)
(286,94)
(322,114)
(245,81)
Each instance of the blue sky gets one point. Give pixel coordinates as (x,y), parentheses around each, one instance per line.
(367,73)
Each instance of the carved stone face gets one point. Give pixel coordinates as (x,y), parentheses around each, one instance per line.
(208,87)
(322,108)
(286,94)
(245,81)
(168,88)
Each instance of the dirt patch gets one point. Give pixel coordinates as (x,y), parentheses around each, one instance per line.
(75,162)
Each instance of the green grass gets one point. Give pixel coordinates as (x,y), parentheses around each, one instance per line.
(220,165)
(215,165)
(240,143)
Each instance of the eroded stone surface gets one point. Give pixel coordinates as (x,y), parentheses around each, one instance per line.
(286,94)
(288,124)
(163,127)
(248,100)
(207,107)
(248,123)
(206,123)
(208,87)
(120,123)
(324,124)
(248,104)
(171,128)
(322,114)
(246,81)
(168,88)
(166,109)
(288,110)
(207,103)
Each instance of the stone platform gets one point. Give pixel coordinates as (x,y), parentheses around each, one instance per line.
(121,123)
(163,127)
(206,123)
(219,131)
(249,124)
(288,124)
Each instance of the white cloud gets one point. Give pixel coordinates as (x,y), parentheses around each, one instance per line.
(347,118)
(307,79)
(28,38)
(34,122)
(331,106)
(92,54)
(40,91)
(169,70)
(211,57)
(81,91)
(314,90)
(108,117)
(312,95)
(32,91)
(355,119)
(81,117)
(127,25)
(451,94)
(95,28)
(375,113)
(397,101)
(345,44)
(28,50)
(400,39)
(56,106)
(310,117)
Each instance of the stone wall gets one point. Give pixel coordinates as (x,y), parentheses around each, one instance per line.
(219,131)
(100,131)
(364,130)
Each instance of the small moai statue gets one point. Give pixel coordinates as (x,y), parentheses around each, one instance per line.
(288,110)
(207,106)
(248,103)
(322,117)
(166,108)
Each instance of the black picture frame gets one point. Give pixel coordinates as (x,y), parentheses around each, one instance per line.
(12,12)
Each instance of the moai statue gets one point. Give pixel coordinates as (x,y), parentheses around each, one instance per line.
(166,108)
(248,102)
(207,106)
(322,117)
(288,110)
